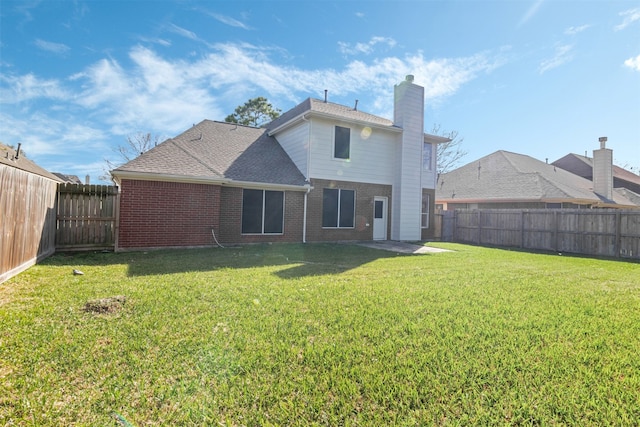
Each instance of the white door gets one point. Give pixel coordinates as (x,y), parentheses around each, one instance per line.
(380,218)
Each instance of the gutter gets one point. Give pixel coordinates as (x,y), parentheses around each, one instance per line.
(143,176)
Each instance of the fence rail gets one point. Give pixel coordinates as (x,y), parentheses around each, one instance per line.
(599,232)
(86,216)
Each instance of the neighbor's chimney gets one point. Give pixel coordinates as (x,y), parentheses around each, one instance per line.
(603,170)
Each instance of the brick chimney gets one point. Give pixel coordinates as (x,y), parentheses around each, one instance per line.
(603,170)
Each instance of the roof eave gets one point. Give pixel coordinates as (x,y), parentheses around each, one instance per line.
(118,176)
(310,113)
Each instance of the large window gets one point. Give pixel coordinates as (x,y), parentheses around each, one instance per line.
(426,201)
(338,208)
(262,212)
(341,145)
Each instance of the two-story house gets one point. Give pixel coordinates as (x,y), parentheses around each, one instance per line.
(319,172)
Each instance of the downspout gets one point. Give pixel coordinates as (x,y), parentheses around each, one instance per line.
(304,118)
(304,218)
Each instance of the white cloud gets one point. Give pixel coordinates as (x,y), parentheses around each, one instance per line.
(365,48)
(629,17)
(533,9)
(156,94)
(562,56)
(227,20)
(57,48)
(183,32)
(633,63)
(575,30)
(17,89)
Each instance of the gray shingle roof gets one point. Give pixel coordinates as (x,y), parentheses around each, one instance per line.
(340,112)
(573,162)
(505,176)
(219,151)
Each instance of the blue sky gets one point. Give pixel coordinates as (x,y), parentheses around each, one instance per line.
(541,77)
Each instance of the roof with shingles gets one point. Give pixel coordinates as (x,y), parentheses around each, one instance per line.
(572,162)
(507,176)
(330,109)
(220,152)
(8,157)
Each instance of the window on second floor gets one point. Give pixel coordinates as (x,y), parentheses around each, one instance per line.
(427,156)
(342,143)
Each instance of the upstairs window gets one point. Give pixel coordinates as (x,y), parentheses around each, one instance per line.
(338,208)
(427,155)
(342,142)
(262,212)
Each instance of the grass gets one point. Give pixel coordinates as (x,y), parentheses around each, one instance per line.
(322,335)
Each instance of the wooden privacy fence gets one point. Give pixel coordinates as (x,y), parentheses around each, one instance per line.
(27,219)
(86,216)
(600,232)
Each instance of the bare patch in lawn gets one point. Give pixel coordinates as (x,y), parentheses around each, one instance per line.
(108,305)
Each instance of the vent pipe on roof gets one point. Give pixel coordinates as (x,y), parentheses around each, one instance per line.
(355,107)
(603,141)
(325,95)
(18,151)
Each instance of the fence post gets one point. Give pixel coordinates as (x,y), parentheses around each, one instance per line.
(618,242)
(522,229)
(555,230)
(479,227)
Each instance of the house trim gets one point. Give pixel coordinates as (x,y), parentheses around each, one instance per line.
(141,176)
(305,116)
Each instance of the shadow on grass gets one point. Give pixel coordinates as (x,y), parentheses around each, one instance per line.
(308,259)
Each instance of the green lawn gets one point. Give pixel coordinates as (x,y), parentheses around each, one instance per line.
(322,335)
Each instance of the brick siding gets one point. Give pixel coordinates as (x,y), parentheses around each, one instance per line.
(156,214)
(365,194)
(230,230)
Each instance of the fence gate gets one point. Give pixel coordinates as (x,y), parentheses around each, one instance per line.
(86,216)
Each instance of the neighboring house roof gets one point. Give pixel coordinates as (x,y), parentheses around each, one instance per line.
(8,157)
(217,152)
(509,177)
(73,179)
(317,107)
(583,166)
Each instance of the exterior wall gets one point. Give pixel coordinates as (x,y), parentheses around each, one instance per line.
(409,115)
(230,230)
(372,153)
(155,214)
(365,194)
(295,141)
